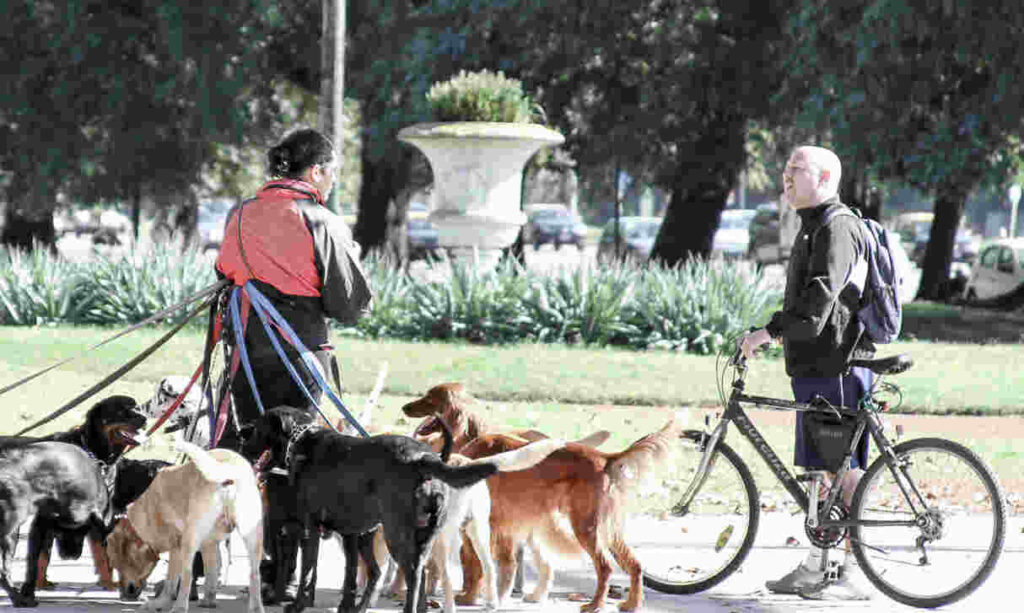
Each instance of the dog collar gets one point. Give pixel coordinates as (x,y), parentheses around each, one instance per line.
(297,434)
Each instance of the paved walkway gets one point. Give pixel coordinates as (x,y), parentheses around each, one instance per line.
(743,592)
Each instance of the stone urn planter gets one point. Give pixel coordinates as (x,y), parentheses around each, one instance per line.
(478,169)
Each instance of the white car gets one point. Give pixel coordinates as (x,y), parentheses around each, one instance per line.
(998,271)
(732,239)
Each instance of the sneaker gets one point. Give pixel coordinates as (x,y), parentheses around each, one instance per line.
(849,587)
(800,578)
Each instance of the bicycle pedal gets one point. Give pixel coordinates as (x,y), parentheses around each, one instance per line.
(832,571)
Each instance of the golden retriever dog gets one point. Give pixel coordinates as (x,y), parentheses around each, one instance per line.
(451,400)
(571,502)
(469,512)
(187,508)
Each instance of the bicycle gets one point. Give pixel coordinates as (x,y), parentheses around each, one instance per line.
(926,522)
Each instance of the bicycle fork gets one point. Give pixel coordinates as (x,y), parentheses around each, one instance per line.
(708,443)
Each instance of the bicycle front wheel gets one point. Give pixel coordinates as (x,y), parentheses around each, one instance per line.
(954,523)
(685,551)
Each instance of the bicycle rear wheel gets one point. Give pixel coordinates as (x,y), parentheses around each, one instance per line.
(959,523)
(684,552)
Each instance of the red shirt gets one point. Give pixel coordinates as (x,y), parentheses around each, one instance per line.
(276,244)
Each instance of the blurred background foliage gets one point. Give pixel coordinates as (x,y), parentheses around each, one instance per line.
(154,105)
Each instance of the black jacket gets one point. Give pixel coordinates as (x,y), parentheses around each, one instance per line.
(817,323)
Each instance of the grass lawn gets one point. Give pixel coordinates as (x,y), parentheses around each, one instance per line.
(948,378)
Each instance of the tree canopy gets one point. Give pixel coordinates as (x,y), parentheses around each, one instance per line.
(924,92)
(116,101)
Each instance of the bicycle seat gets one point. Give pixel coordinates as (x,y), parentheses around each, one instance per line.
(891,365)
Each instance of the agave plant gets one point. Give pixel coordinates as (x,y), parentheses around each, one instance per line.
(698,305)
(580,305)
(40,287)
(389,315)
(140,284)
(481,306)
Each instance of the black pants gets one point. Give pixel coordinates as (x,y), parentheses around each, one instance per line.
(276,388)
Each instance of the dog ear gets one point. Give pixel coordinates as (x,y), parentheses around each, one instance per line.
(278,422)
(247,431)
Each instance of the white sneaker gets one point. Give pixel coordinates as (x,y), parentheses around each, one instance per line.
(850,586)
(800,578)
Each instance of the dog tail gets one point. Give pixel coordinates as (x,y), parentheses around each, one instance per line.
(204,462)
(628,468)
(525,457)
(594,440)
(457,476)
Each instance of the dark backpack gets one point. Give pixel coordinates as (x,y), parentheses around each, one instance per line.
(881,310)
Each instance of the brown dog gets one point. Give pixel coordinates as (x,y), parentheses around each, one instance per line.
(186,508)
(589,488)
(450,400)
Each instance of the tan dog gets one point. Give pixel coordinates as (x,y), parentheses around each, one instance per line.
(187,508)
(587,487)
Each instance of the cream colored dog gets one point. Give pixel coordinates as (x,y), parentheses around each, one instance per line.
(187,508)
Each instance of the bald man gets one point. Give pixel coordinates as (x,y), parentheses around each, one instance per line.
(820,334)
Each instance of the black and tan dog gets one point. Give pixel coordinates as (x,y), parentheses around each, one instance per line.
(63,485)
(111,426)
(350,485)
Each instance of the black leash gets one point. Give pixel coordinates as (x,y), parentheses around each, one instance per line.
(117,374)
(216,287)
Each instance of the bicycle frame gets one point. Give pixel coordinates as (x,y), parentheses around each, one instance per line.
(817,515)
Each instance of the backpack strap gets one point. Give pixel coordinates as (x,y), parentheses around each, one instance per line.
(859,273)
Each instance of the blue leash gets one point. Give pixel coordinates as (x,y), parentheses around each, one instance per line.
(264,310)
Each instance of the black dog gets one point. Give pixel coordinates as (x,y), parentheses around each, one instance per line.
(111,427)
(351,485)
(62,484)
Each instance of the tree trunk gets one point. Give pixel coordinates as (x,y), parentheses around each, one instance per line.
(950,200)
(136,211)
(397,233)
(331,118)
(29,217)
(375,192)
(707,171)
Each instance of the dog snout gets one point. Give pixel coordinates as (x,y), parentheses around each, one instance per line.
(131,590)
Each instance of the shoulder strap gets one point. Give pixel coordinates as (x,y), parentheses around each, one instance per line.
(859,272)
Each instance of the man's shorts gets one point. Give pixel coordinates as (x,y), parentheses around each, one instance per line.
(841,391)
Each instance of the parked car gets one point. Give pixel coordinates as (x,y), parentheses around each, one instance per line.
(732,238)
(556,225)
(765,245)
(914,229)
(211,218)
(637,239)
(422,238)
(998,271)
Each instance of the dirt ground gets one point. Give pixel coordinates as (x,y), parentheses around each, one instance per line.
(972,325)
